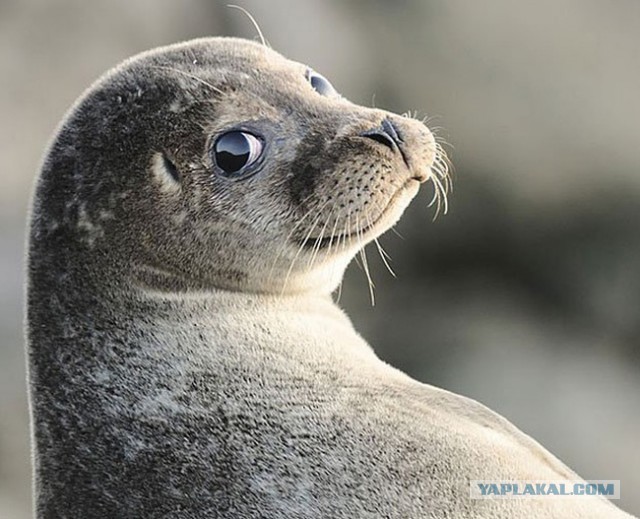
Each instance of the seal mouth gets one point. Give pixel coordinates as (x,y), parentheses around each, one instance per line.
(361,234)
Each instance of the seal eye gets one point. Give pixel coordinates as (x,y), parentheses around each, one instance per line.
(320,84)
(236,150)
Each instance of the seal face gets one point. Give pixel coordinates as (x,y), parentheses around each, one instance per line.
(195,210)
(184,162)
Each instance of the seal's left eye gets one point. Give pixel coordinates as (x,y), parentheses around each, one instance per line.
(236,150)
(320,84)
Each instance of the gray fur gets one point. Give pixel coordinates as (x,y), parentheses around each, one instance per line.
(185,357)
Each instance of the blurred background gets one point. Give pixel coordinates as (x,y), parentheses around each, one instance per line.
(525,296)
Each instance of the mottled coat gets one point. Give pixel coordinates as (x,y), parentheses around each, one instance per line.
(185,357)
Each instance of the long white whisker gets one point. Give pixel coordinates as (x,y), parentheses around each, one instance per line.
(253,21)
(333,231)
(285,242)
(397,233)
(348,238)
(317,244)
(365,265)
(443,194)
(384,256)
(339,292)
(332,236)
(341,245)
(435,196)
(443,166)
(300,249)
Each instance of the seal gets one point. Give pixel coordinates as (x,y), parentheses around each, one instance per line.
(194,212)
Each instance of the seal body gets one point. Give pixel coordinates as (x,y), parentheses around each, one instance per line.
(194,212)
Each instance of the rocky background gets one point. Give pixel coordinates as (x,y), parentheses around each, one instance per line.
(525,296)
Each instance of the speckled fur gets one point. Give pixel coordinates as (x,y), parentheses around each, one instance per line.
(185,357)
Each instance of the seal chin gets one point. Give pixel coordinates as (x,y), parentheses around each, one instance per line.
(385,220)
(391,213)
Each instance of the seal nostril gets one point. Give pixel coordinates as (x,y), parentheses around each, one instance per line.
(391,130)
(380,137)
(386,134)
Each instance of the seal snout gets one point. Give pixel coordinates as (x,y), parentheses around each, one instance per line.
(409,142)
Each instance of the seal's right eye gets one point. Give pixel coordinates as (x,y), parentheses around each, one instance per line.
(236,150)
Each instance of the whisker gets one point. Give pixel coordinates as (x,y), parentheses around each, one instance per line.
(397,233)
(435,196)
(365,265)
(339,291)
(285,242)
(253,21)
(316,245)
(442,196)
(348,233)
(300,249)
(443,166)
(327,252)
(384,256)
(341,245)
(333,231)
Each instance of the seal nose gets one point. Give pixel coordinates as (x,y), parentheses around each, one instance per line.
(385,134)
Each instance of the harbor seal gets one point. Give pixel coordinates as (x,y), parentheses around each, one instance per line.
(194,212)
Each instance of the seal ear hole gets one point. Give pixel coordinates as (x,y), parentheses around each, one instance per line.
(165,172)
(171,169)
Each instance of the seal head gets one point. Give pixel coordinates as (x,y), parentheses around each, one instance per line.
(220,164)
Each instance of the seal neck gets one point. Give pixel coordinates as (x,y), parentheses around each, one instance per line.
(321,280)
